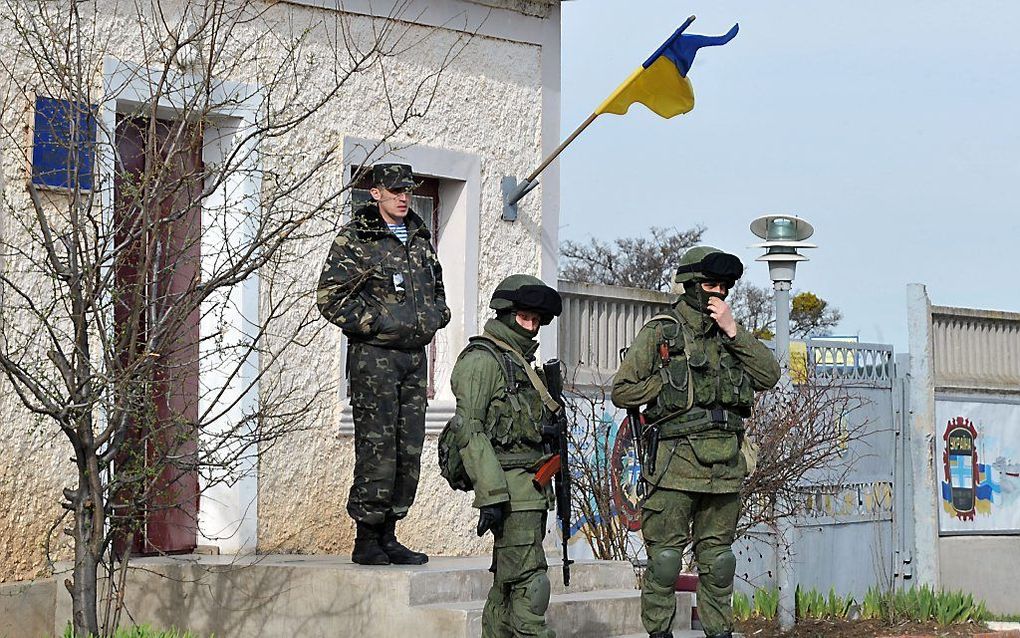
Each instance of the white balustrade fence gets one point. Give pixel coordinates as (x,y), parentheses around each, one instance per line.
(976,349)
(597,322)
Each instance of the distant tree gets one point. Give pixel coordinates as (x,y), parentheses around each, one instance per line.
(638,262)
(810,315)
(752,306)
(648,261)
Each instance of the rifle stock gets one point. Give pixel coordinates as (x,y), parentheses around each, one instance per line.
(554,381)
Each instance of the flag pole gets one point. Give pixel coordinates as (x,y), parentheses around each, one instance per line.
(514,192)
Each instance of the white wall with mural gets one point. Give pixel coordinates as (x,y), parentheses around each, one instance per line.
(977,457)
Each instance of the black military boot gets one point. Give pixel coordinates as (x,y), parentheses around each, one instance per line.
(725,634)
(398,554)
(661,634)
(366,547)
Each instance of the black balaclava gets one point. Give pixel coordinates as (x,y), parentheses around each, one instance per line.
(697,297)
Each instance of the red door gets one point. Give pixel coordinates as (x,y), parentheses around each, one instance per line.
(157,216)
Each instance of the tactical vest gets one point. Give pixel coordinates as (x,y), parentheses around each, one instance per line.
(515,416)
(698,375)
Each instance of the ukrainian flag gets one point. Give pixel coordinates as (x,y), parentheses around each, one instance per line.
(661,82)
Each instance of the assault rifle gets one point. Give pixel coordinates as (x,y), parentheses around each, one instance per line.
(557,469)
(646,439)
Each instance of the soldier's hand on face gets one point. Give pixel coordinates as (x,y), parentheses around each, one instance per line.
(720,312)
(491,517)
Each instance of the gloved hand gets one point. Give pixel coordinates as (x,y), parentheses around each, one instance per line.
(491,517)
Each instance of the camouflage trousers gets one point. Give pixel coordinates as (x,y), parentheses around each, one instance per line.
(668,516)
(388,396)
(520,584)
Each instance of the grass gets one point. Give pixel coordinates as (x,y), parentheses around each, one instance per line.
(917,604)
(143,631)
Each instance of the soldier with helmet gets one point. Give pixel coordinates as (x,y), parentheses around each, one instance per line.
(497,431)
(383,285)
(694,370)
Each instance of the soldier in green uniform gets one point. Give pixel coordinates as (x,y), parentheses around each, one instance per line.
(383,285)
(696,370)
(501,407)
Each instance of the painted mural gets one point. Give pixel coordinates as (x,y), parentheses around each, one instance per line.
(978,459)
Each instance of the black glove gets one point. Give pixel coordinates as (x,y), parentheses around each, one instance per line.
(491,517)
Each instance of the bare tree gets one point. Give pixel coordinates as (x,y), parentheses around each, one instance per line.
(753,308)
(638,262)
(805,436)
(180,194)
(649,262)
(599,473)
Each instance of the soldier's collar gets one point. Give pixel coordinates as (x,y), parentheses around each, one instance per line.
(522,344)
(368,223)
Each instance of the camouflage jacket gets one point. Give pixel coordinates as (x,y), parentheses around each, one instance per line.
(379,290)
(500,437)
(704,370)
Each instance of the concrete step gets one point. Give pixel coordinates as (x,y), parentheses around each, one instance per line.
(582,614)
(682,633)
(446,580)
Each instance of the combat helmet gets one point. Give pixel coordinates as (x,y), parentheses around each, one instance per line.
(706,263)
(524,292)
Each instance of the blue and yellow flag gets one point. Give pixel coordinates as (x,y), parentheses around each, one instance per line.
(661,83)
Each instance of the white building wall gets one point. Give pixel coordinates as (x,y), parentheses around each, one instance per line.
(495,114)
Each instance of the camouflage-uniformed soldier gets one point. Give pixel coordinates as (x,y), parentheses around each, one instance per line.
(696,370)
(500,411)
(383,284)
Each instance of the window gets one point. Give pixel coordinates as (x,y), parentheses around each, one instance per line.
(63,144)
(425,203)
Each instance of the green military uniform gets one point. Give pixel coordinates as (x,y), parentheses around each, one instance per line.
(388,297)
(499,434)
(698,384)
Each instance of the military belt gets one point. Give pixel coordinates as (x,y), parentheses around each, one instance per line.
(701,420)
(519,460)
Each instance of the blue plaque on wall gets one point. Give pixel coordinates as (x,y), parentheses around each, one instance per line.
(63,148)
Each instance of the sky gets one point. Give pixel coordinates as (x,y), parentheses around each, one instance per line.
(893,127)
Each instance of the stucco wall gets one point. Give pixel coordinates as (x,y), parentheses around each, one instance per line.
(489,103)
(33,467)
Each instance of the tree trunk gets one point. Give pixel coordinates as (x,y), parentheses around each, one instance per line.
(84,585)
(89,536)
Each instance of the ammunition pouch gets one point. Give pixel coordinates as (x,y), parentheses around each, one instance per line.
(700,420)
(531,460)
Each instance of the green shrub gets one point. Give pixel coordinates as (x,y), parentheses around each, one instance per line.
(766,603)
(812,604)
(917,604)
(741,606)
(871,604)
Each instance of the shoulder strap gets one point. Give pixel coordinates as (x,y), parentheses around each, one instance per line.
(664,316)
(536,382)
(500,357)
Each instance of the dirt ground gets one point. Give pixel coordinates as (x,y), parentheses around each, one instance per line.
(855,629)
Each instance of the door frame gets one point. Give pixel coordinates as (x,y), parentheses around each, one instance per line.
(228,510)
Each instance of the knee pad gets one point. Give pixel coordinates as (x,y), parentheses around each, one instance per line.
(538,594)
(720,565)
(664,567)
